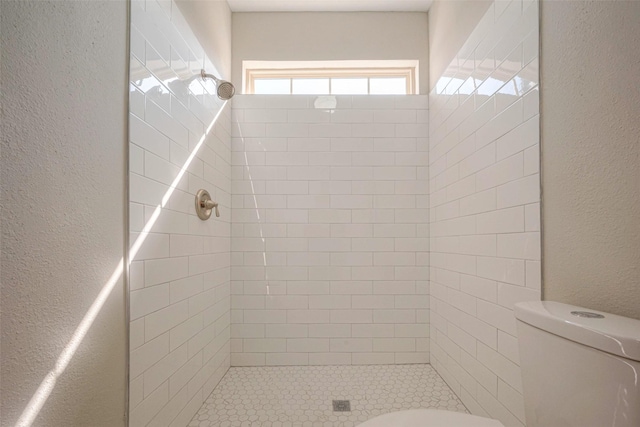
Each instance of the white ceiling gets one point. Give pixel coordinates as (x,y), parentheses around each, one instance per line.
(329,5)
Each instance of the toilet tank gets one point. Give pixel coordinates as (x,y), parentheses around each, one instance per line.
(580,368)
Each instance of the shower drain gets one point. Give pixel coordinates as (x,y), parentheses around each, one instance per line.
(341,406)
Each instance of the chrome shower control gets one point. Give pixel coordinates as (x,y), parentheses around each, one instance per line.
(204,205)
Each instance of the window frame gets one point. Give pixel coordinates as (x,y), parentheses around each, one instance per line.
(407,72)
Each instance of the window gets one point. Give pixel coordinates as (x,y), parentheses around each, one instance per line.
(342,78)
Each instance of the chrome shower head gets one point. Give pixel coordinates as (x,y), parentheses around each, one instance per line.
(225,90)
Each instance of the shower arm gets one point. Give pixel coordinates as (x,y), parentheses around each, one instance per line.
(204,75)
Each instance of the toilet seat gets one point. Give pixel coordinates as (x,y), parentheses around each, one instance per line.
(430,418)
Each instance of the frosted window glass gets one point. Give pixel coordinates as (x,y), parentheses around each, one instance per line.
(357,86)
(272,86)
(388,86)
(310,87)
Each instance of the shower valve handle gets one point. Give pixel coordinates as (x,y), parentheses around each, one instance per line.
(210,204)
(204,205)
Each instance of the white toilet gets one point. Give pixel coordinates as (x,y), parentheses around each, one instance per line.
(580,368)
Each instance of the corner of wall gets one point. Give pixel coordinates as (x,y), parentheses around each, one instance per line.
(180,142)
(485,207)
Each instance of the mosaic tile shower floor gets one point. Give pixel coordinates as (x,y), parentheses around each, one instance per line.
(301,396)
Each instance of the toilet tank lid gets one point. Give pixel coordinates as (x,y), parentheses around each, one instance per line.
(614,334)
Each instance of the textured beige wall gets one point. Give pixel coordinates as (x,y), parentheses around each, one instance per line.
(210,21)
(319,36)
(450,24)
(64,83)
(590,73)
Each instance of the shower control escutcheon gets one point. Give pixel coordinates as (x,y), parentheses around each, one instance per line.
(204,205)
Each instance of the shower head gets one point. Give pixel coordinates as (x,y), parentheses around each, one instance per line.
(225,89)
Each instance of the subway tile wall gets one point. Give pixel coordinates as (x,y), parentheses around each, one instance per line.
(180,274)
(329,245)
(484,179)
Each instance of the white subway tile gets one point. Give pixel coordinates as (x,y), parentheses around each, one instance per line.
(478,245)
(350,287)
(352,116)
(329,273)
(503,367)
(509,295)
(373,102)
(287,359)
(248,359)
(330,244)
(320,359)
(148,300)
(395,287)
(351,258)
(286,158)
(148,408)
(394,344)
(509,220)
(147,355)
(287,187)
(519,245)
(284,302)
(330,130)
(524,136)
(308,116)
(308,345)
(394,144)
(352,144)
(268,345)
(161,371)
(414,330)
(351,345)
(264,116)
(331,159)
(309,230)
(330,187)
(532,160)
(418,130)
(247,331)
(372,244)
(309,173)
(394,316)
(479,287)
(308,258)
(351,202)
(394,258)
(306,144)
(308,316)
(351,316)
(250,302)
(330,330)
(372,216)
(265,316)
(308,201)
(533,274)
(502,172)
(395,116)
(287,331)
(373,358)
(372,302)
(412,301)
(532,217)
(502,269)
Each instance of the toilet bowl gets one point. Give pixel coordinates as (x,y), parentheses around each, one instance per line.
(430,418)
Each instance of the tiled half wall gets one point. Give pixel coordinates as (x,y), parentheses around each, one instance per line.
(180,142)
(485,208)
(329,230)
